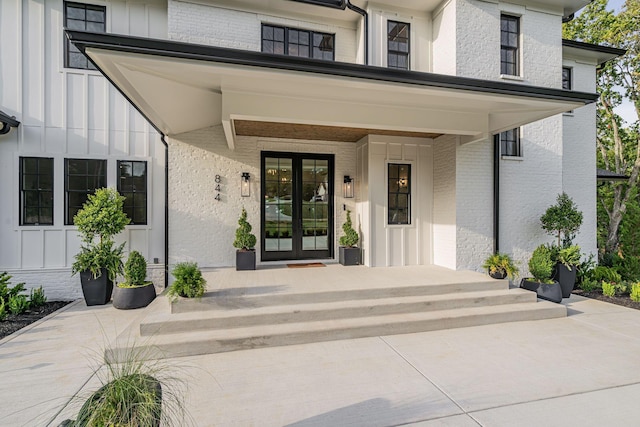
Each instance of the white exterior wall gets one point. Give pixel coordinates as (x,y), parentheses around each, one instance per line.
(202,229)
(396,245)
(68,113)
(444,201)
(219,26)
(579,149)
(444,39)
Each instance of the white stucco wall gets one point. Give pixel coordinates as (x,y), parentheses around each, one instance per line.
(69,113)
(444,201)
(209,24)
(203,229)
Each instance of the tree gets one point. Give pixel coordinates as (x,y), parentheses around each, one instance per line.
(618,142)
(562,220)
(244,239)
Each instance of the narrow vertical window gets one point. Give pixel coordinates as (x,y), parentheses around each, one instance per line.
(85,17)
(36,191)
(566,78)
(82,177)
(399,193)
(132,184)
(510,143)
(296,42)
(397,45)
(509,45)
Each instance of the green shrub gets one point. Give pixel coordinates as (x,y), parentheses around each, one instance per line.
(135,269)
(244,239)
(189,282)
(606,274)
(502,263)
(628,267)
(350,238)
(608,289)
(6,292)
(584,269)
(569,256)
(3,310)
(562,220)
(588,285)
(635,292)
(541,265)
(18,304)
(37,297)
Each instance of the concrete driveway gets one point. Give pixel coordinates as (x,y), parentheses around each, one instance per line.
(582,370)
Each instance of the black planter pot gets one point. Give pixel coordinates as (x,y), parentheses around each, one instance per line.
(566,278)
(349,256)
(550,292)
(130,298)
(246,260)
(498,274)
(96,291)
(530,285)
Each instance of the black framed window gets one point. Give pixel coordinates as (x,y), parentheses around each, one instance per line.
(297,42)
(85,17)
(509,45)
(510,143)
(566,78)
(398,45)
(132,184)
(399,193)
(82,177)
(36,191)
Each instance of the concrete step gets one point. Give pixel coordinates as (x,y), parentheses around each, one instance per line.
(259,336)
(252,297)
(228,318)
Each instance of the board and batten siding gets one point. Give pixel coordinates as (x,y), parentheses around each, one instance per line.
(69,113)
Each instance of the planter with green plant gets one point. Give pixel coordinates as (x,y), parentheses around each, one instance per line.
(541,268)
(562,220)
(135,291)
(188,282)
(567,261)
(500,265)
(349,253)
(245,243)
(99,261)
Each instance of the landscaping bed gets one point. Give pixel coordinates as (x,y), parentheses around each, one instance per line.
(14,323)
(618,300)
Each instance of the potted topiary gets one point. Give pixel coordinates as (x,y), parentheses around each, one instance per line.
(500,265)
(562,220)
(135,291)
(541,267)
(99,261)
(245,243)
(189,282)
(349,253)
(565,269)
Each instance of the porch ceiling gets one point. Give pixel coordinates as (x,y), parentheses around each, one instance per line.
(315,132)
(180,87)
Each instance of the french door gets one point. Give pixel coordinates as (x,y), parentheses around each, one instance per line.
(297,206)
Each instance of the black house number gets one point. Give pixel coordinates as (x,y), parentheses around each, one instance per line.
(218,187)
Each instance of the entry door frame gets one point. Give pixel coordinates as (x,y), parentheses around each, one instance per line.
(297,253)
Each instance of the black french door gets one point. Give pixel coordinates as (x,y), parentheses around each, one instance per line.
(296,206)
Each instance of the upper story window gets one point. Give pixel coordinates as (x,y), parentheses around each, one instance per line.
(509,45)
(36,191)
(85,17)
(399,193)
(82,177)
(297,42)
(397,45)
(132,184)
(510,143)
(566,78)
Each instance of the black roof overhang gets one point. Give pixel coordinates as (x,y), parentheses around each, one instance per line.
(83,40)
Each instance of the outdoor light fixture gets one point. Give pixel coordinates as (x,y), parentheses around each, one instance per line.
(347,187)
(245,187)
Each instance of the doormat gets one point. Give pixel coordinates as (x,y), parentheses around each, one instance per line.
(306,265)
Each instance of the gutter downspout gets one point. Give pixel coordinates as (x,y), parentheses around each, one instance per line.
(365,15)
(166,209)
(496,193)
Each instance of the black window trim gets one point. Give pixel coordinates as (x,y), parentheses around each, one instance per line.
(517,48)
(21,207)
(286,41)
(146,192)
(570,77)
(66,183)
(67,42)
(396,52)
(410,190)
(518,143)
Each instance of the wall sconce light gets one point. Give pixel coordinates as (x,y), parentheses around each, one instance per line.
(347,187)
(245,187)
